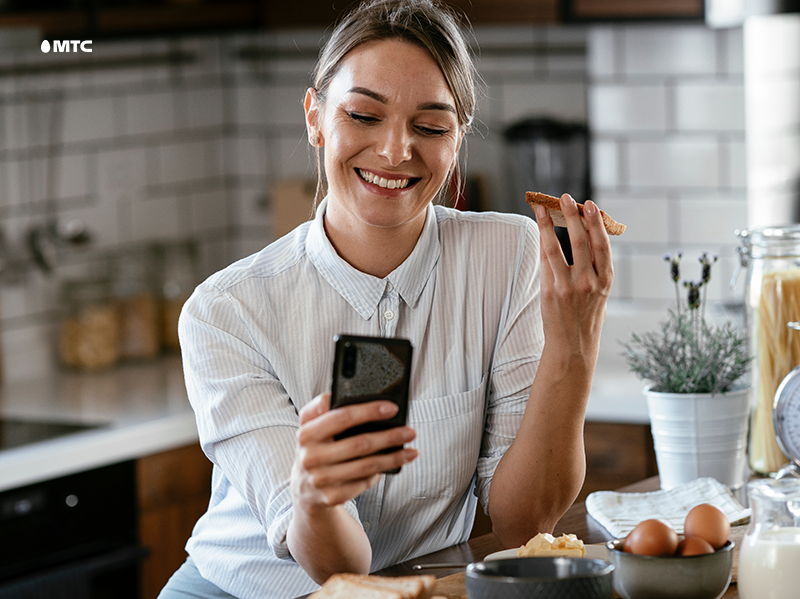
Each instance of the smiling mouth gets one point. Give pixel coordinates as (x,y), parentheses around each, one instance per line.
(385,183)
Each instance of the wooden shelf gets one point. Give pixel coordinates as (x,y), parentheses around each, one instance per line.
(189,17)
(635,9)
(51,23)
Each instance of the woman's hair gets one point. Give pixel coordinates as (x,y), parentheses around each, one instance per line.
(425,23)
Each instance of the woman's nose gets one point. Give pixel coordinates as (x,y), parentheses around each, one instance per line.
(395,145)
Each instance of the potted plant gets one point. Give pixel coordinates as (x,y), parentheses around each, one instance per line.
(697,399)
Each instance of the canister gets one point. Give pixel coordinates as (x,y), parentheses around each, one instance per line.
(134,273)
(89,332)
(771,256)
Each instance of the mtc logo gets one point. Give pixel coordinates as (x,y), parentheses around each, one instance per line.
(65,45)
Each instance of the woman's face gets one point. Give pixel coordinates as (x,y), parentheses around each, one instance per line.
(390,135)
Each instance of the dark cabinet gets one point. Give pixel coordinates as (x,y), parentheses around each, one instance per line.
(592,10)
(174,488)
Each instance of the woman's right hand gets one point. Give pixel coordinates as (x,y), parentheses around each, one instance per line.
(329,472)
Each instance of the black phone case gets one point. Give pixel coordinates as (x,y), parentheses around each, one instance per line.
(370,368)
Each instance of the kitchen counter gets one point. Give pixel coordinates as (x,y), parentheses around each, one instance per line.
(140,409)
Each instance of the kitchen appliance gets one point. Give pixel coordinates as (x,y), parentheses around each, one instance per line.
(548,156)
(74,537)
(15,432)
(786,419)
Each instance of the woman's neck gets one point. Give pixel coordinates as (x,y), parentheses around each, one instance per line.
(374,250)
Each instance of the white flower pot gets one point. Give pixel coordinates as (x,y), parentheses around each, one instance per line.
(699,434)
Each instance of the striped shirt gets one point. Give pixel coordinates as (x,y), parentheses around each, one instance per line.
(257,345)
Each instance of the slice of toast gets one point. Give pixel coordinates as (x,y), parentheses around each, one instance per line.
(553,205)
(362,586)
(412,587)
(337,587)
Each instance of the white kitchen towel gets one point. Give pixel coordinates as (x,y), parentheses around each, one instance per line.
(619,513)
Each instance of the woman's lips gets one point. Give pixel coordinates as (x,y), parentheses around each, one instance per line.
(385,182)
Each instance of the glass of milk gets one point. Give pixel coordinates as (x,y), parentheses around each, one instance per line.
(769,558)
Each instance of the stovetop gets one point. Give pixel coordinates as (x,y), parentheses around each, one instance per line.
(15,432)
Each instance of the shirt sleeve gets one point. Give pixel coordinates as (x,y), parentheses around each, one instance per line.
(518,351)
(246,421)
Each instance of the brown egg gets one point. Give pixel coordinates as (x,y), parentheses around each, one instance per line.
(693,546)
(651,537)
(709,523)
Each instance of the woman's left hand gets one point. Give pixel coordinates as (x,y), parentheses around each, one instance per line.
(574,296)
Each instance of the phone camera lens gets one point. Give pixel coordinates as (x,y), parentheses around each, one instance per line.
(349,362)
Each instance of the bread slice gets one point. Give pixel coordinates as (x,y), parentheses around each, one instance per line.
(553,205)
(412,587)
(361,586)
(337,587)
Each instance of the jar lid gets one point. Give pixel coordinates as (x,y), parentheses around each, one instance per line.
(783,241)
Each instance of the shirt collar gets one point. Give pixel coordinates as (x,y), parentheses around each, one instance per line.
(363,291)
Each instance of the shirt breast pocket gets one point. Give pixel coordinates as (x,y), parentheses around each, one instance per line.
(449,434)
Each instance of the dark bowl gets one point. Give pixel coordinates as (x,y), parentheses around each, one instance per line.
(550,577)
(694,577)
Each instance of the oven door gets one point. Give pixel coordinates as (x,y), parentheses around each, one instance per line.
(74,537)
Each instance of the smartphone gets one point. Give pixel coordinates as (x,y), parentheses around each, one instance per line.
(370,368)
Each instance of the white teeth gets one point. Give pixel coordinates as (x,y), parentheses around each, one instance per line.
(381,182)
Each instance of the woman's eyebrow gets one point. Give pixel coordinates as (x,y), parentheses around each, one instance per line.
(384,100)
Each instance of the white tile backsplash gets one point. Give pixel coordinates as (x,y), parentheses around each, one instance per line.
(625,107)
(669,50)
(727,213)
(646,217)
(559,100)
(675,162)
(73,174)
(156,219)
(605,164)
(87,119)
(161,151)
(150,113)
(709,106)
(204,107)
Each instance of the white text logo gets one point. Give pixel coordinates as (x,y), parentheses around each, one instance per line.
(67,46)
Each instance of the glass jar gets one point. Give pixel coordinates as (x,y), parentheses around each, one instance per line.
(135,292)
(770,551)
(178,280)
(772,300)
(89,331)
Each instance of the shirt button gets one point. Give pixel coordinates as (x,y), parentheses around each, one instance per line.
(388,315)
(365,525)
(389,287)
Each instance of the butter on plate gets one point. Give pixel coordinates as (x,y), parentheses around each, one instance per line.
(546,545)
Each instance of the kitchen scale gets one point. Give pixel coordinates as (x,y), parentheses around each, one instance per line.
(786,419)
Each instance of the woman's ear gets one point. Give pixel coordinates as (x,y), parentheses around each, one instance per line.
(312,109)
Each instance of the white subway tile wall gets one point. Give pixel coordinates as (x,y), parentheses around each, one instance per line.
(667,115)
(184,137)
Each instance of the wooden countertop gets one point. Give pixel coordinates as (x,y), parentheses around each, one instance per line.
(576,521)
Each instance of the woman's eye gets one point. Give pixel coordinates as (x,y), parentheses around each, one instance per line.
(362,118)
(432,131)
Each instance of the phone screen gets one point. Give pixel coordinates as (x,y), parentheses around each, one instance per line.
(371,368)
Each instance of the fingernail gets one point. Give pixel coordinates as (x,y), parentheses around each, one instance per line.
(541,211)
(590,207)
(389,409)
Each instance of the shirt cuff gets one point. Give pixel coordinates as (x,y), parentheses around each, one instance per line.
(280,525)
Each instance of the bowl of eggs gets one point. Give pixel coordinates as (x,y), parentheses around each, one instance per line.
(654,562)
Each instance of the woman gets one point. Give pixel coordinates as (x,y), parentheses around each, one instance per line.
(495,414)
